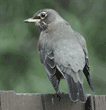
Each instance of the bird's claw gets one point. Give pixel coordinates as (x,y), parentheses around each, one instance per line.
(57,95)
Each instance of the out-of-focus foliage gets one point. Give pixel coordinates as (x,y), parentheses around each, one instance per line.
(20,67)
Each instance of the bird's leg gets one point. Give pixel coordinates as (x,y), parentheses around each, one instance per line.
(55,84)
(58,92)
(57,95)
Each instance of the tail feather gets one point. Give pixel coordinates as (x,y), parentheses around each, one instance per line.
(76,90)
(73,88)
(81,91)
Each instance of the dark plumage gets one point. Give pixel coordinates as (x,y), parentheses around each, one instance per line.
(63,53)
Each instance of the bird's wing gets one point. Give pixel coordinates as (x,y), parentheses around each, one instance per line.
(86,69)
(47,59)
(70,61)
(69,53)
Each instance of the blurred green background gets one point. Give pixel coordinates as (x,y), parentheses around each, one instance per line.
(20,67)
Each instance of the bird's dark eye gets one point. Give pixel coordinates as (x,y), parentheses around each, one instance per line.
(43,15)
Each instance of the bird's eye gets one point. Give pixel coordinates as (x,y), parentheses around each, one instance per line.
(43,15)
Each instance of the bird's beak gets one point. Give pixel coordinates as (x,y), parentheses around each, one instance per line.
(31,20)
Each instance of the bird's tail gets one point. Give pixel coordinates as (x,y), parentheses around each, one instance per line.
(76,90)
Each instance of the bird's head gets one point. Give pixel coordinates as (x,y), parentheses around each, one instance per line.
(44,18)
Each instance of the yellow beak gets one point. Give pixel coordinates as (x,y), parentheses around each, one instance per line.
(30,20)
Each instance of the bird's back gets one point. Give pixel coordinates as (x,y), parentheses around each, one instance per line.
(65,44)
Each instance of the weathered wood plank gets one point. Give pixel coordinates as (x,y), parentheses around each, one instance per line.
(9,100)
(29,101)
(89,103)
(21,101)
(99,102)
(52,103)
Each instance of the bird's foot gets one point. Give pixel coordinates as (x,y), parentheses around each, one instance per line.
(57,95)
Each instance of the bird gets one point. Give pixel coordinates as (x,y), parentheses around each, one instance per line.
(63,53)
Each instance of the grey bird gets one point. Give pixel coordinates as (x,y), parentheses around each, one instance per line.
(63,53)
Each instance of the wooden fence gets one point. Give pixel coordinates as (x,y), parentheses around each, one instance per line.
(9,100)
